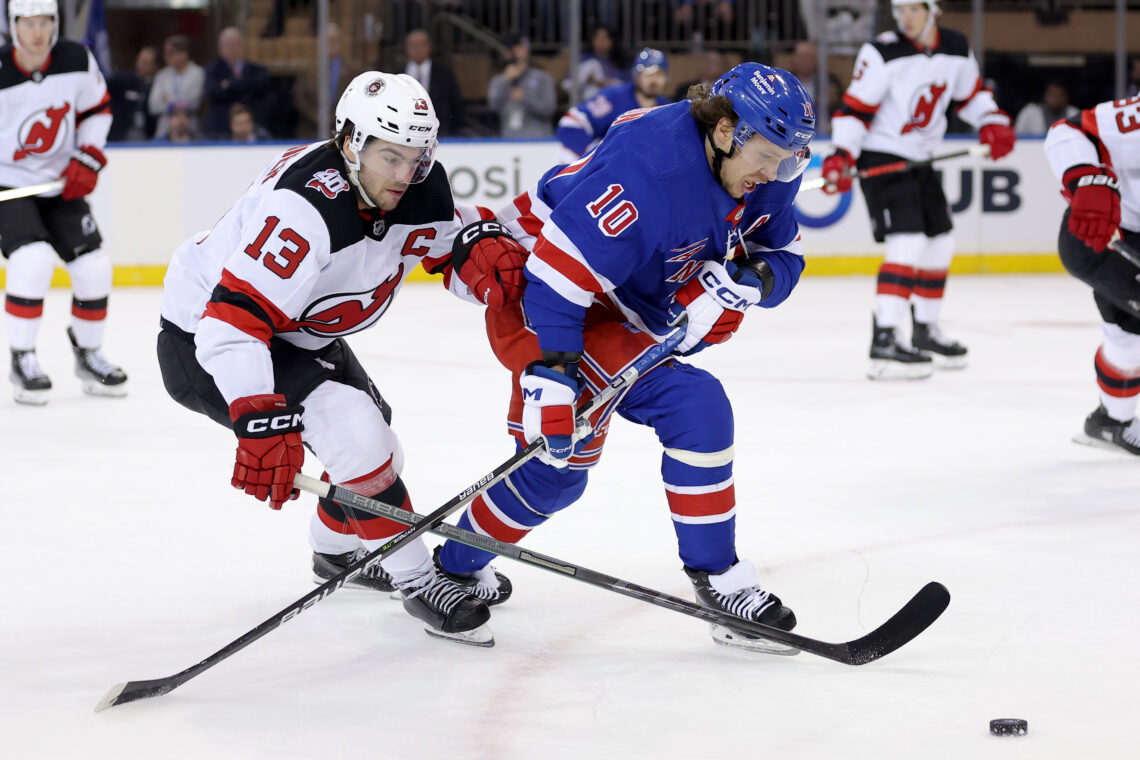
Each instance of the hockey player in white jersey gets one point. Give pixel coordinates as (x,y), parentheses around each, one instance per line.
(254,313)
(1096,157)
(54,117)
(895,108)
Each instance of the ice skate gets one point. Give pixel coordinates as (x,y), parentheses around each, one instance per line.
(891,359)
(29,383)
(1104,432)
(99,377)
(946,353)
(447,609)
(328,566)
(736,592)
(486,583)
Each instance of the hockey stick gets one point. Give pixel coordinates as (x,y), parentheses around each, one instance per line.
(914,617)
(24,192)
(130,691)
(1127,252)
(899,166)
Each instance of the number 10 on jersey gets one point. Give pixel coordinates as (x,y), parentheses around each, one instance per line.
(612,222)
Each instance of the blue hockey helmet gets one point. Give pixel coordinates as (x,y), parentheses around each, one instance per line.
(649,60)
(772,103)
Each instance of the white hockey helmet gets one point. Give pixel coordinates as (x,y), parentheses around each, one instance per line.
(27,8)
(931,5)
(396,109)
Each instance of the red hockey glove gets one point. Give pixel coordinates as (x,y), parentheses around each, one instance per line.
(82,172)
(838,170)
(490,262)
(715,302)
(269,452)
(1094,200)
(1000,138)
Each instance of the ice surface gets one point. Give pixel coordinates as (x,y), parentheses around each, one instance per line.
(126,555)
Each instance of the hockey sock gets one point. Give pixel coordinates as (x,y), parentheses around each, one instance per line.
(702,503)
(28,280)
(90,285)
(896,278)
(930,278)
(1118,372)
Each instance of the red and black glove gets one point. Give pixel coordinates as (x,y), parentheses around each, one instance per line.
(1094,200)
(490,263)
(1000,138)
(82,172)
(269,452)
(838,171)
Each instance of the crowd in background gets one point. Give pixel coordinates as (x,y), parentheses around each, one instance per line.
(170,98)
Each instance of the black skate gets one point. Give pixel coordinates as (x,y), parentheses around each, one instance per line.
(487,583)
(1104,432)
(328,566)
(29,383)
(946,353)
(891,359)
(736,592)
(99,377)
(447,609)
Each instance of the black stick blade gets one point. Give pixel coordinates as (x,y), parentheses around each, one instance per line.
(914,618)
(132,690)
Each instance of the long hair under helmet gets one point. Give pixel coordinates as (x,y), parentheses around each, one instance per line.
(394,108)
(772,103)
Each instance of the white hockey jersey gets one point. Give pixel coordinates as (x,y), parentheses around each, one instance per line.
(1107,134)
(296,259)
(45,115)
(900,94)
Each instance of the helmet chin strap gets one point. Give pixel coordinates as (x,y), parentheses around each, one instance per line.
(719,156)
(354,176)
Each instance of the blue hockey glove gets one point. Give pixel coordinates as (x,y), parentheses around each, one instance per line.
(715,301)
(549,400)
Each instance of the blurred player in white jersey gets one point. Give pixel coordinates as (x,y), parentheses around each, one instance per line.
(56,114)
(895,108)
(254,313)
(1096,156)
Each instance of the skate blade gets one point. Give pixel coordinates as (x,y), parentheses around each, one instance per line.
(392,594)
(96,388)
(31,398)
(949,362)
(1099,443)
(726,637)
(478,637)
(884,369)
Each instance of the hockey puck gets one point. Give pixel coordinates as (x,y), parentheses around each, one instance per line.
(1009,727)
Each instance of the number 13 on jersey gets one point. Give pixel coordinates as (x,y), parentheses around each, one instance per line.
(285,261)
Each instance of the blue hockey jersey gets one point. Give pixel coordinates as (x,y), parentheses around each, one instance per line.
(634,220)
(584,125)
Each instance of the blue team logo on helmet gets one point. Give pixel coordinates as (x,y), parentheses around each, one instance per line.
(771,103)
(649,60)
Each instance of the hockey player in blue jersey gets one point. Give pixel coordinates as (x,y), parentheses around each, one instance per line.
(584,125)
(682,211)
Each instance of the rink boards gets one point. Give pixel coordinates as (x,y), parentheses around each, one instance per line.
(150,198)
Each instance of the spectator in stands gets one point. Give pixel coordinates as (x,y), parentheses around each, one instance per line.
(341,72)
(1133,79)
(600,67)
(129,91)
(231,79)
(521,94)
(686,13)
(438,79)
(180,81)
(276,24)
(181,124)
(243,128)
(1036,118)
(712,66)
(805,67)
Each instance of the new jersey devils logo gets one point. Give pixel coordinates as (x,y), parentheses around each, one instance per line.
(344,313)
(330,182)
(928,98)
(40,132)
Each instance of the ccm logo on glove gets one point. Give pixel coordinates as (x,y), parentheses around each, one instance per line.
(262,427)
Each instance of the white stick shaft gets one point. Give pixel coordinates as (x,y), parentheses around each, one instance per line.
(975,151)
(24,192)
